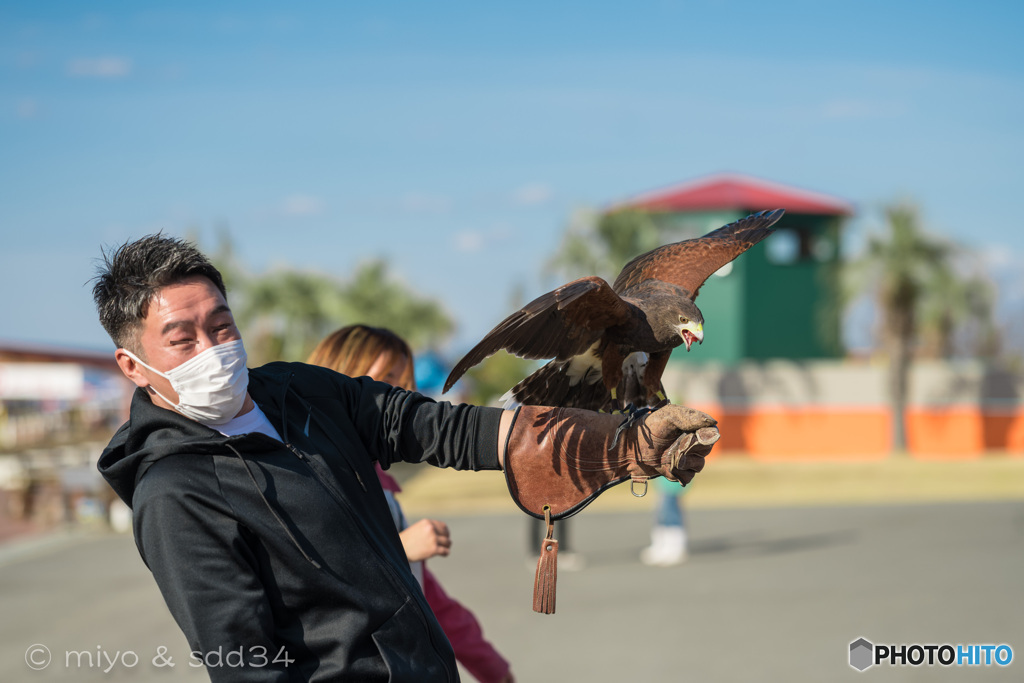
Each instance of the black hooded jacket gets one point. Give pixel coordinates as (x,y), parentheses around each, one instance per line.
(280,561)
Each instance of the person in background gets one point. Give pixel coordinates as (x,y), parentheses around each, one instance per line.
(358,350)
(668,536)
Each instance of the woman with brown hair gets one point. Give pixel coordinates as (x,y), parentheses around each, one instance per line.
(380,354)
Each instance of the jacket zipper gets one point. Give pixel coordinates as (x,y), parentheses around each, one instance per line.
(341,500)
(338,498)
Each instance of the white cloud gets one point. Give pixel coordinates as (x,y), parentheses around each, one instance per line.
(1005,267)
(477,240)
(100,67)
(420,202)
(469,241)
(302,205)
(1000,258)
(533,194)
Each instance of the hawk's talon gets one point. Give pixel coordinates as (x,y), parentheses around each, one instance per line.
(634,414)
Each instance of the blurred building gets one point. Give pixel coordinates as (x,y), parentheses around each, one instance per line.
(781,298)
(52,394)
(839,409)
(773,369)
(58,408)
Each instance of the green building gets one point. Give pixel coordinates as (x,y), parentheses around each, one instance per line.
(780,299)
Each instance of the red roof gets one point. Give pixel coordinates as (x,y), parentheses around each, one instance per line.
(30,352)
(735,191)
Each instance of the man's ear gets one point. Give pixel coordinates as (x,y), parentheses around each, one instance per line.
(130,368)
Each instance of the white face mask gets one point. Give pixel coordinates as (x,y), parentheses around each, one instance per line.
(211,386)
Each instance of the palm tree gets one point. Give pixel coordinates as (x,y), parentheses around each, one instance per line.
(902,269)
(283,313)
(290,310)
(287,311)
(374,297)
(959,309)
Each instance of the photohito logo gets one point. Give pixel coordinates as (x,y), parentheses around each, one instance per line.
(861,654)
(865,654)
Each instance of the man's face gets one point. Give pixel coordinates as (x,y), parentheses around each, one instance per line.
(183,320)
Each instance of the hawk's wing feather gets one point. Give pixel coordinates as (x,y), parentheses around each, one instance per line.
(689,263)
(560,324)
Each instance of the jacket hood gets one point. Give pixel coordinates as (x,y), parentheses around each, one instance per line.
(152,432)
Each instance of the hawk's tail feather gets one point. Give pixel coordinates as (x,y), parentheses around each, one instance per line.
(552,385)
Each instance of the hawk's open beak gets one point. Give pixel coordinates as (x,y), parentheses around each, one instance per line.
(692,332)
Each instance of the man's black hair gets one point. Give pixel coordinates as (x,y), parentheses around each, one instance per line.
(129,277)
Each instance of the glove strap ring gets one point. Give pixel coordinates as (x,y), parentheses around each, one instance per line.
(632,486)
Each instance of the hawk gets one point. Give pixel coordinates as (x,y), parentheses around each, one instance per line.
(610,343)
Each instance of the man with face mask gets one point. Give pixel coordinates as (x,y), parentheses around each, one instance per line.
(255,501)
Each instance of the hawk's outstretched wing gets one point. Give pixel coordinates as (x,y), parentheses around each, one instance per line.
(560,324)
(689,263)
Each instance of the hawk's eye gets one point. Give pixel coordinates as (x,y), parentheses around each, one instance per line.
(683,320)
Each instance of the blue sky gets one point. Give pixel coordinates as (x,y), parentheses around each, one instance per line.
(455,139)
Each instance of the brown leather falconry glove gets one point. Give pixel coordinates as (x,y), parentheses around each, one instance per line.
(564,458)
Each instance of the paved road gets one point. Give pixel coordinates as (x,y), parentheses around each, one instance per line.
(769,594)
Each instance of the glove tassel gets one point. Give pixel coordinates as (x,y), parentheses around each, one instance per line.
(547,570)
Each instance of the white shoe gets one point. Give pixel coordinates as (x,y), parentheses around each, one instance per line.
(571,562)
(668,547)
(120,517)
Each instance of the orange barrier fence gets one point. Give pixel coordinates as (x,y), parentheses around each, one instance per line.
(865,433)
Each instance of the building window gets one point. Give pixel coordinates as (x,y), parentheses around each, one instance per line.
(783,248)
